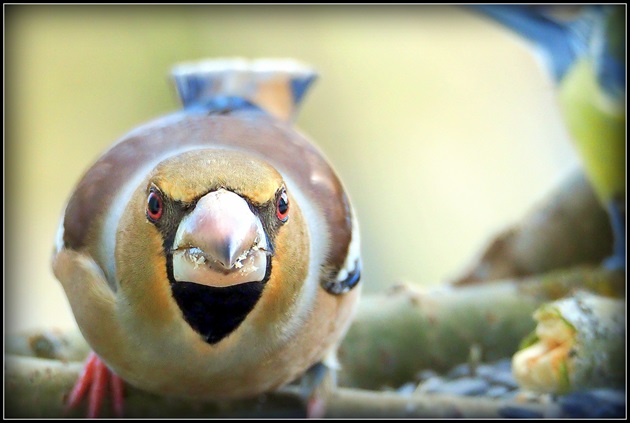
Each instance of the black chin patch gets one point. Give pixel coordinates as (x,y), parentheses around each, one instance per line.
(216,312)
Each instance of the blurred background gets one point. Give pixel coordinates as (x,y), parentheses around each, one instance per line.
(442,125)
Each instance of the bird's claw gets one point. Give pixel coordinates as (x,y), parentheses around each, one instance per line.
(95,377)
(316,384)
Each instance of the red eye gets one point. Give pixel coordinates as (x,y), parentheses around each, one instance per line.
(282,208)
(155,206)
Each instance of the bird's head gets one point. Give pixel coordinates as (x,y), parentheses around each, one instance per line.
(212,229)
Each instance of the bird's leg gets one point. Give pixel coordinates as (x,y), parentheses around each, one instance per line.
(117,387)
(316,384)
(95,376)
(83,382)
(97,389)
(617,215)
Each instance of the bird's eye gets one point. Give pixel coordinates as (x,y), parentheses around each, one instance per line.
(155,206)
(282,207)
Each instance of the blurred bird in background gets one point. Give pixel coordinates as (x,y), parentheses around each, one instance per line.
(584,49)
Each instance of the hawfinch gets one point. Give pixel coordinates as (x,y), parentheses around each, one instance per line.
(212,253)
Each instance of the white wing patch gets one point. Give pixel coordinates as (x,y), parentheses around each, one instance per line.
(354,251)
(60,232)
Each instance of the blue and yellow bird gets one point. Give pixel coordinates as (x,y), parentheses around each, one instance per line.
(584,47)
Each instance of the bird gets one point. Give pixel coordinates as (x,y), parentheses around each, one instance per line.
(212,253)
(583,48)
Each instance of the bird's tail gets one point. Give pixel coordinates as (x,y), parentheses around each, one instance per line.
(275,86)
(561,33)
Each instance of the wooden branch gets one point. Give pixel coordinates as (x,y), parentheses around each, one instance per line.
(568,228)
(36,387)
(394,336)
(579,344)
(356,403)
(397,335)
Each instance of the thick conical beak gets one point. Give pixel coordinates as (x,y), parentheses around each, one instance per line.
(220,243)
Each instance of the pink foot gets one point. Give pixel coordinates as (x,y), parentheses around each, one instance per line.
(315,408)
(95,376)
